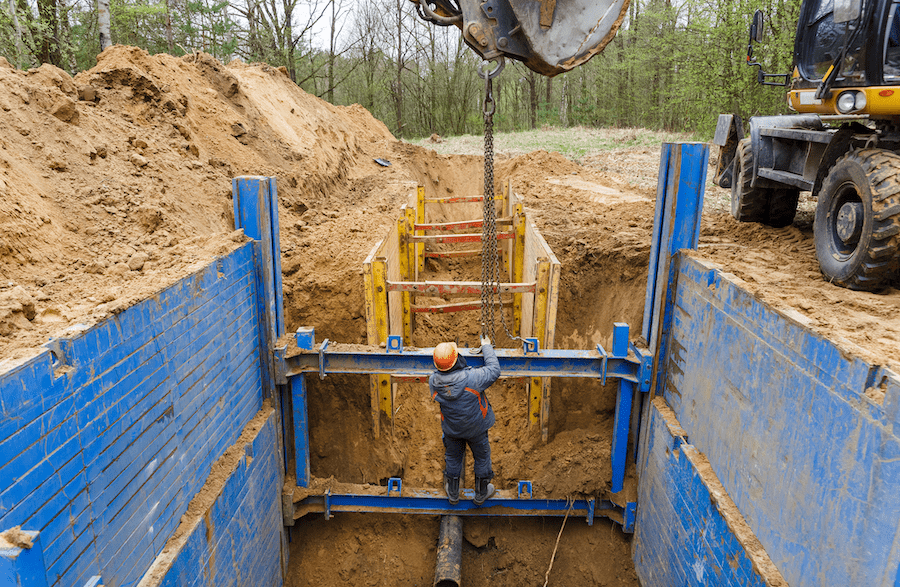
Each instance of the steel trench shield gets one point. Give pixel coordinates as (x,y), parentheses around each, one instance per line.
(548,36)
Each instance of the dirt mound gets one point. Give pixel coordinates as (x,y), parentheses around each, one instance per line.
(112,183)
(779,266)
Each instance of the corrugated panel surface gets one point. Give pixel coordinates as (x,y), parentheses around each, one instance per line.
(688,532)
(240,539)
(782,413)
(103,452)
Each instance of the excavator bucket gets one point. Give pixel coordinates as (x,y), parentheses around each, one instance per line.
(548,36)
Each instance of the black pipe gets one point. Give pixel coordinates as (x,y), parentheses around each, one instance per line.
(448,570)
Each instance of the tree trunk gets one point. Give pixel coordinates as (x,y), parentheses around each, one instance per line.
(564,103)
(329,94)
(103,24)
(549,96)
(49,51)
(398,89)
(18,29)
(227,38)
(66,33)
(533,99)
(288,38)
(170,39)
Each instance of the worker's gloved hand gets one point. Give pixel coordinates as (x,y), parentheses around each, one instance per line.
(485,340)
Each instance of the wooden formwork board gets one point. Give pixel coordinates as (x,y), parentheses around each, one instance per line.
(537,251)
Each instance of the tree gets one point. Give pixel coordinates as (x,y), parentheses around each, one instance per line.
(103,22)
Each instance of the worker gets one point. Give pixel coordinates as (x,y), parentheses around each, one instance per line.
(466,415)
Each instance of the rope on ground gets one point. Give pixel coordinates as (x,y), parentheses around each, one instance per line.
(571,501)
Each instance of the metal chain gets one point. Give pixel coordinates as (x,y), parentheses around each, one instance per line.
(489,216)
(490,260)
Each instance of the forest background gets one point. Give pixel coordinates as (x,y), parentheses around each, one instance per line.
(674,64)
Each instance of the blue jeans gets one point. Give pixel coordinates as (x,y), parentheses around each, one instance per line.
(455,453)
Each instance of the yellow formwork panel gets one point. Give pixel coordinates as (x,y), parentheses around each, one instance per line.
(403,229)
(420,219)
(539,388)
(518,268)
(381,384)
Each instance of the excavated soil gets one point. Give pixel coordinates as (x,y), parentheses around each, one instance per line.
(116,183)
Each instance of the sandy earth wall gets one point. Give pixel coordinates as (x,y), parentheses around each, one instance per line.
(112,434)
(799,429)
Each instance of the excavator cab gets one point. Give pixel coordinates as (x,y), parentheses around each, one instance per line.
(842,145)
(844,54)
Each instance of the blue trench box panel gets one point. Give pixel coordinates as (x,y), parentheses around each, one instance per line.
(688,531)
(802,432)
(237,539)
(107,437)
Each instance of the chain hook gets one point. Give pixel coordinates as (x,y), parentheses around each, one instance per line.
(486,75)
(489,105)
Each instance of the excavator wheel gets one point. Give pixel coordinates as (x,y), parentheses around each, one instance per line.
(773,207)
(857,229)
(782,207)
(748,204)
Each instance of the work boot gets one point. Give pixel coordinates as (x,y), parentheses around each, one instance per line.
(451,486)
(483,490)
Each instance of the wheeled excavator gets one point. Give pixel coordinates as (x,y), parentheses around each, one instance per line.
(842,145)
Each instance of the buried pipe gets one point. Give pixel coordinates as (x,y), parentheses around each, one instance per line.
(448,570)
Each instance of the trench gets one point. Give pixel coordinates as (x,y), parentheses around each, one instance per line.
(598,286)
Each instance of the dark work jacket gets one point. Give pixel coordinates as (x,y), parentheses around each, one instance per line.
(465,409)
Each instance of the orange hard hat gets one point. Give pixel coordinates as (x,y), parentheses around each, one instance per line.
(445,356)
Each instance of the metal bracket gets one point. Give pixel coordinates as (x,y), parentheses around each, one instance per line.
(322,358)
(327,504)
(395,484)
(524,490)
(280,365)
(531,345)
(395,343)
(629,516)
(646,366)
(605,357)
(305,337)
(590,514)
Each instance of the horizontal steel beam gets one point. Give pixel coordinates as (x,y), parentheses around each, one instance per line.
(457,288)
(421,379)
(435,503)
(457,238)
(414,362)
(458,307)
(454,254)
(462,224)
(454,200)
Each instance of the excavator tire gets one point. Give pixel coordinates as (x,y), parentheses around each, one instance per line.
(857,229)
(773,207)
(782,207)
(747,204)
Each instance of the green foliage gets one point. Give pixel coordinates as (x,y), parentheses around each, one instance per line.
(674,65)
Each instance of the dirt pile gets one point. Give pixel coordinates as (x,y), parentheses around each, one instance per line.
(112,184)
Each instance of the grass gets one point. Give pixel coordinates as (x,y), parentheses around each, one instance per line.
(630,153)
(575,143)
